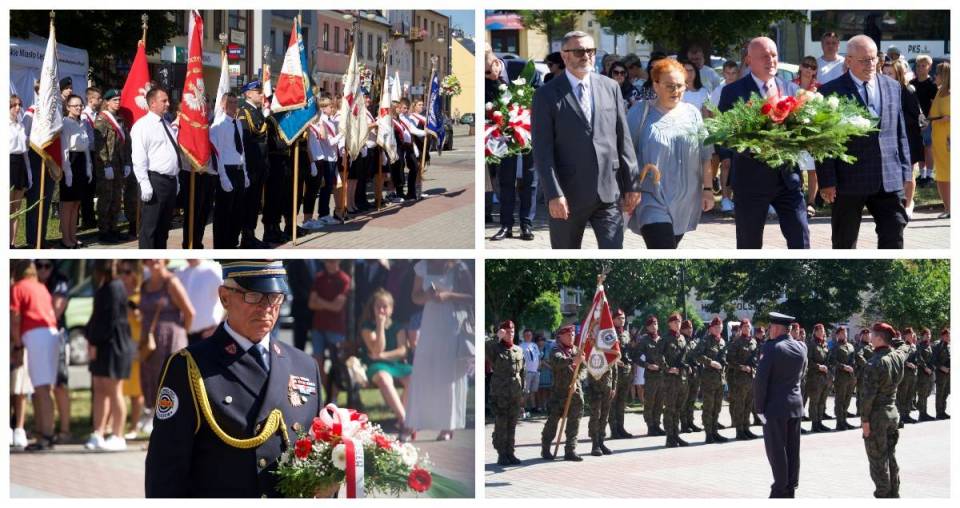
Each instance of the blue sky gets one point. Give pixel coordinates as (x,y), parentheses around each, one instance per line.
(463,19)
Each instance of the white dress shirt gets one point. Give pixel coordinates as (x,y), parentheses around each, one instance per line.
(223,140)
(873,92)
(246,343)
(575,84)
(763,86)
(829,70)
(18,138)
(709,78)
(412,124)
(89,117)
(531,355)
(152,149)
(327,147)
(202,284)
(75,138)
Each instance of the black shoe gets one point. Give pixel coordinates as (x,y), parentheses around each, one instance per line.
(943,416)
(42,444)
(805,418)
(249,241)
(718,438)
(900,424)
(604,449)
(679,440)
(615,434)
(909,419)
(526,233)
(750,435)
(694,428)
(572,457)
(711,438)
(672,443)
(824,428)
(545,451)
(514,461)
(924,417)
(595,449)
(272,236)
(720,426)
(504,232)
(757,422)
(740,436)
(805,431)
(625,434)
(827,416)
(503,460)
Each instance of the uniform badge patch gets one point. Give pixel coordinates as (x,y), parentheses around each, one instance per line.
(167,403)
(231,348)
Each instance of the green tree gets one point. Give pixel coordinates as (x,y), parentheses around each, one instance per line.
(543,313)
(106,35)
(914,293)
(552,22)
(512,284)
(718,31)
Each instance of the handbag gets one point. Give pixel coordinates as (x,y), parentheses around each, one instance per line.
(149,344)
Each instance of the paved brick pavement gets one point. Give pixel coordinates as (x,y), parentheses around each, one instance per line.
(832,465)
(925,231)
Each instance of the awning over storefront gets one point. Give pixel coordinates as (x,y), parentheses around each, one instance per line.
(500,21)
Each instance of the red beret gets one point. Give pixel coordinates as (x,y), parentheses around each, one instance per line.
(686,325)
(651,320)
(884,328)
(744,321)
(944,331)
(908,331)
(818,325)
(507,324)
(568,328)
(618,313)
(674,317)
(716,321)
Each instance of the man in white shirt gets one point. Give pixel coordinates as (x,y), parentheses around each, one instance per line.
(708,77)
(830,65)
(156,162)
(202,280)
(531,375)
(230,176)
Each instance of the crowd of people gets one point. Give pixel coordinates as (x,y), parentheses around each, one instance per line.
(379,323)
(654,114)
(114,173)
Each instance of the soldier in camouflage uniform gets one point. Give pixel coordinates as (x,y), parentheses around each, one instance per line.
(741,356)
(693,378)
(818,378)
(564,361)
(111,163)
(711,352)
(648,351)
(925,374)
(842,363)
(672,363)
(624,378)
(506,391)
(881,376)
(941,361)
(760,337)
(600,392)
(907,390)
(864,351)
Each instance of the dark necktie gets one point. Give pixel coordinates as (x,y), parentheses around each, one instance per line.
(172,142)
(236,137)
(257,351)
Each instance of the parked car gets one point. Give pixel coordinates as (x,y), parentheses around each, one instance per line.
(467,119)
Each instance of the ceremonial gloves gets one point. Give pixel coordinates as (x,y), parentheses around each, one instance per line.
(108,172)
(126,171)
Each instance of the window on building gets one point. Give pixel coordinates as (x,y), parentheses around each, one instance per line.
(505,41)
(370,49)
(379,44)
(326,36)
(359,42)
(217,24)
(346,41)
(336,39)
(180,20)
(233,19)
(432,33)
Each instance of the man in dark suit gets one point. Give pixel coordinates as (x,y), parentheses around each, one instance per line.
(582,150)
(260,393)
(757,186)
(777,400)
(877,179)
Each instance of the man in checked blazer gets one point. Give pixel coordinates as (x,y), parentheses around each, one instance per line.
(883,158)
(582,150)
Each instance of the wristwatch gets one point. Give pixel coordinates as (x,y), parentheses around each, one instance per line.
(708,189)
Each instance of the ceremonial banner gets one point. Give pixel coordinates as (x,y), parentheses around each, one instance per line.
(223,86)
(48,111)
(267,89)
(193,135)
(604,349)
(435,112)
(353,118)
(294,82)
(385,137)
(292,121)
(133,99)
(396,88)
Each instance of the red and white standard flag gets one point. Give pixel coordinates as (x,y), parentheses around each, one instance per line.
(353,118)
(193,135)
(292,84)
(604,349)
(133,99)
(223,86)
(385,137)
(48,110)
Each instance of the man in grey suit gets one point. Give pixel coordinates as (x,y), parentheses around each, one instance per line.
(778,402)
(582,150)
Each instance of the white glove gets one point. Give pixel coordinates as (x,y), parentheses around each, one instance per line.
(68,177)
(226,185)
(89,174)
(146,191)
(108,172)
(177,179)
(126,171)
(246,181)
(763,419)
(313,170)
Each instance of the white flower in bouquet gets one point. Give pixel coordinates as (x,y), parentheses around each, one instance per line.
(519,82)
(408,454)
(857,121)
(488,106)
(339,456)
(520,93)
(506,97)
(833,102)
(503,87)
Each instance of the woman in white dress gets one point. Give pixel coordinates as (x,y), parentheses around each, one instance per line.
(444,357)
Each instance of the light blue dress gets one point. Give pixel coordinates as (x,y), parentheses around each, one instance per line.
(674,144)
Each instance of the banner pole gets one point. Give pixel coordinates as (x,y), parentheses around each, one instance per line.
(43,179)
(193,179)
(296,180)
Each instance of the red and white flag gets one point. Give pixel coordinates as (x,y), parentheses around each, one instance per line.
(292,84)
(48,110)
(223,86)
(385,137)
(353,119)
(598,324)
(193,135)
(133,99)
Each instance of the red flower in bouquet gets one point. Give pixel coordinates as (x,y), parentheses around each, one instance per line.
(303,448)
(779,108)
(419,479)
(320,431)
(383,441)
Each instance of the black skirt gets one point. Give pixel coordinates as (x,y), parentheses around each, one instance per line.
(80,188)
(18,172)
(114,358)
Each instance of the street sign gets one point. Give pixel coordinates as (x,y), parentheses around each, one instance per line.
(235,52)
(238,37)
(234,70)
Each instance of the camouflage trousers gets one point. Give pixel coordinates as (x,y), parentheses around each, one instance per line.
(674,389)
(882,454)
(712,388)
(506,411)
(693,390)
(741,399)
(109,194)
(943,391)
(652,399)
(572,426)
(843,387)
(924,389)
(599,398)
(907,392)
(817,388)
(619,405)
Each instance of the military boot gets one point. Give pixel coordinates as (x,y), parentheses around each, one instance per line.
(815,427)
(694,428)
(545,451)
(595,448)
(671,442)
(514,461)
(824,428)
(572,456)
(909,419)
(679,440)
(943,416)
(603,448)
(718,438)
(924,417)
(685,429)
(624,434)
(502,459)
(750,435)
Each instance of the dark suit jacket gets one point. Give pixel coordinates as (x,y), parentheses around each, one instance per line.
(883,158)
(751,175)
(776,389)
(186,459)
(579,158)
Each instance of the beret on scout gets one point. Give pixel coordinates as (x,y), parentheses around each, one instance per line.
(566,329)
(885,329)
(507,324)
(651,320)
(111,93)
(715,321)
(674,317)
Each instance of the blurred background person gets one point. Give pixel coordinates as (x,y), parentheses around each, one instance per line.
(940,118)
(130,272)
(328,301)
(926,88)
(58,285)
(301,274)
(695,93)
(384,351)
(20,178)
(167,315)
(913,116)
(202,279)
(618,73)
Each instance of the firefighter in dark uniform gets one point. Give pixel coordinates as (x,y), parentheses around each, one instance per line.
(254,127)
(229,405)
(278,186)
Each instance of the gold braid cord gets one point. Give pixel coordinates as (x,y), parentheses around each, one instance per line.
(274,420)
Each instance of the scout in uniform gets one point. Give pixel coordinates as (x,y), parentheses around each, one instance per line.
(112,165)
(818,378)
(624,378)
(711,357)
(842,363)
(881,376)
(693,378)
(255,160)
(741,356)
(672,350)
(907,391)
(506,391)
(229,405)
(648,350)
(941,361)
(565,362)
(864,351)
(925,375)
